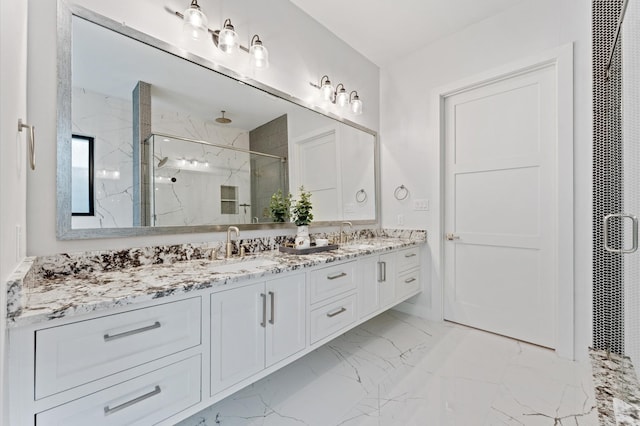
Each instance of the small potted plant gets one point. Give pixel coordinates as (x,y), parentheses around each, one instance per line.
(280,207)
(302,217)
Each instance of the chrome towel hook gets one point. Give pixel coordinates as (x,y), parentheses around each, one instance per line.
(32,142)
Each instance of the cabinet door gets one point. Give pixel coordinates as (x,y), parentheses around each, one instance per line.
(286,327)
(388,280)
(237,335)
(368,286)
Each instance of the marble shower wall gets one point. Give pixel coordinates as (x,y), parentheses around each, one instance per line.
(108,120)
(194,197)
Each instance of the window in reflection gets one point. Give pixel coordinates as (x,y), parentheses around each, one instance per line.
(82,175)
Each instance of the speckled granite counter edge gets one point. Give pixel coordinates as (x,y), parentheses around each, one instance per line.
(26,280)
(617,389)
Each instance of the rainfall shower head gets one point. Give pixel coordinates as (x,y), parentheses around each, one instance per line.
(223,119)
(161,161)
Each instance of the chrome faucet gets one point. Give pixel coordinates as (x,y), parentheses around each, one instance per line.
(342,236)
(229,245)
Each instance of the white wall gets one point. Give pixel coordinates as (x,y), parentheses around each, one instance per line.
(13,163)
(410,153)
(301,50)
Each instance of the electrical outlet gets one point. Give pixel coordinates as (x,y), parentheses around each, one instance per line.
(400,219)
(421,204)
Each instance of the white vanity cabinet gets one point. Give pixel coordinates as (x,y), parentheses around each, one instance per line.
(254,327)
(164,360)
(407,273)
(140,366)
(376,286)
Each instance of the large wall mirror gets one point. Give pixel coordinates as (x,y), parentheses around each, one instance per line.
(181,145)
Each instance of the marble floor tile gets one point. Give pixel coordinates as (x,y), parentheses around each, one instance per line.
(397,369)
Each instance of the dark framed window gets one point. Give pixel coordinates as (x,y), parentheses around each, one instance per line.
(82,175)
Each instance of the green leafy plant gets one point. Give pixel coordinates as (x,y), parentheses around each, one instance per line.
(280,206)
(301,213)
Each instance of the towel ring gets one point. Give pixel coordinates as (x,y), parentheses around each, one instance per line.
(401,193)
(361,196)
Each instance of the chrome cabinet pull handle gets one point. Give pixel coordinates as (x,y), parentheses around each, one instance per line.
(380,279)
(410,255)
(409,280)
(384,271)
(32,142)
(108,410)
(264,310)
(273,307)
(605,233)
(338,312)
(109,337)
(333,277)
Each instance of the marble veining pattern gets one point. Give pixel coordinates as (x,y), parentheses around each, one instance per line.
(58,286)
(397,369)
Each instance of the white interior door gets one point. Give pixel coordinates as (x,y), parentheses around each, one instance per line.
(500,206)
(318,171)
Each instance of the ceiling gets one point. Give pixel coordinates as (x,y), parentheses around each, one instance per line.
(367,25)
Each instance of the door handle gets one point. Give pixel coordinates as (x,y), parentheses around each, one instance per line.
(634,237)
(264,310)
(452,237)
(272,295)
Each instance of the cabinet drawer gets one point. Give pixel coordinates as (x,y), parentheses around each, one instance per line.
(77,353)
(332,317)
(333,280)
(407,283)
(408,259)
(145,400)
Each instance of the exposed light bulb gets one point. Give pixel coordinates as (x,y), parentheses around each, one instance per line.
(227,38)
(342,98)
(259,53)
(327,90)
(356,106)
(195,22)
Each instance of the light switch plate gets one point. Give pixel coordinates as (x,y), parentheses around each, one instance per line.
(421,204)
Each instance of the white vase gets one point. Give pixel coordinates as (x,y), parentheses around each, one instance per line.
(302,237)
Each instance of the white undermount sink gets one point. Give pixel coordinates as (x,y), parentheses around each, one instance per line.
(245,265)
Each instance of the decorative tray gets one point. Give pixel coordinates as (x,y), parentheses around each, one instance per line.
(310,250)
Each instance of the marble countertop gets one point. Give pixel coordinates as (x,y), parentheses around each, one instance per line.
(43,289)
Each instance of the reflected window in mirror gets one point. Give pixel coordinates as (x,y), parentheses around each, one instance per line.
(82,175)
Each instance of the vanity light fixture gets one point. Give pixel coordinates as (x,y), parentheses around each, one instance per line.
(195,22)
(326,88)
(356,103)
(227,39)
(339,96)
(259,54)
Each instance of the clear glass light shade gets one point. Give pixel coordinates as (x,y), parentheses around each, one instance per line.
(259,55)
(356,106)
(228,39)
(342,98)
(327,90)
(195,23)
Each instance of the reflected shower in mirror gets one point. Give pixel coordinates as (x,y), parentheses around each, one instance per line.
(181,147)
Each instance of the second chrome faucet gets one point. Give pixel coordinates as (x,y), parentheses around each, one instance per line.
(229,245)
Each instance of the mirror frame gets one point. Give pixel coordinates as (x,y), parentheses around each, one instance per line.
(64,230)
